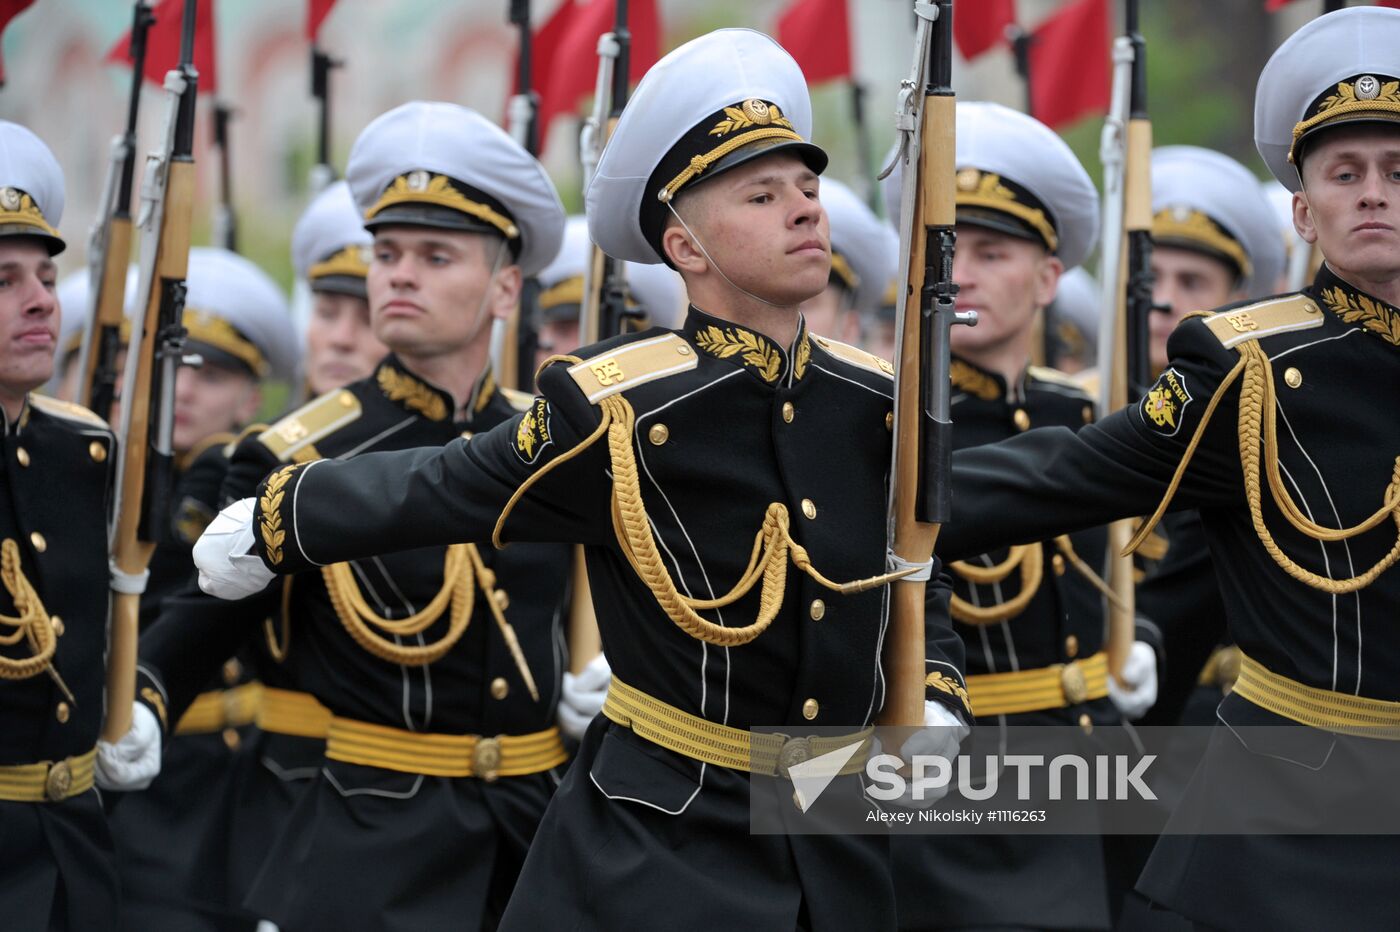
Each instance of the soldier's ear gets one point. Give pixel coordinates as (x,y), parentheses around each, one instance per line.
(1303,218)
(505,291)
(682,250)
(1047,280)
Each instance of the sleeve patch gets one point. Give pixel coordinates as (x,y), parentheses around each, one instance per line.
(1165,403)
(532,436)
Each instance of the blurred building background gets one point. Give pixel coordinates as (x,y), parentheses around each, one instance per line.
(1204,58)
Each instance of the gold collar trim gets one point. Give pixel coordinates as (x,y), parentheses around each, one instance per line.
(399,386)
(1195,227)
(1355,308)
(419,187)
(974,381)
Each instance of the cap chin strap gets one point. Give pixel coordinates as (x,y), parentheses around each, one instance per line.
(704,252)
(481,315)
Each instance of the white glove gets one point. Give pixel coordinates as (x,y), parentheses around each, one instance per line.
(583,696)
(1138,690)
(226,567)
(134,761)
(941,735)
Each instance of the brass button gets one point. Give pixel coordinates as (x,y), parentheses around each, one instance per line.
(889,420)
(1071,646)
(1058,562)
(818,609)
(1293,377)
(1088,414)
(62,713)
(22,455)
(502,600)
(346,399)
(58,626)
(499,688)
(810,708)
(59,781)
(38,541)
(1086,723)
(232,739)
(683,350)
(788,411)
(98,451)
(659,434)
(232,671)
(1073,683)
(486,759)
(1021,419)
(809,509)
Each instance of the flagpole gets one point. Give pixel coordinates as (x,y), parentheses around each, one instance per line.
(1021,40)
(864,158)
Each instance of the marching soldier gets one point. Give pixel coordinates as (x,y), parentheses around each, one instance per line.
(864,252)
(331,252)
(1297,386)
(172,838)
(665,452)
(440,666)
(1031,618)
(57,870)
(655,289)
(1214,243)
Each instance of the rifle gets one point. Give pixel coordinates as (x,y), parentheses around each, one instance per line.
(1126,151)
(146,468)
(921,496)
(322,173)
(513,368)
(603,312)
(109,244)
(225,221)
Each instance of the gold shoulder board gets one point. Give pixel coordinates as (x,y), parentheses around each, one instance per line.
(520,401)
(1055,377)
(856,357)
(292,439)
(66,410)
(632,364)
(1277,315)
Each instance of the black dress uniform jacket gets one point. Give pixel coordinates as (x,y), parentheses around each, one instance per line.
(727,423)
(1012,880)
(57,869)
(372,848)
(1336,365)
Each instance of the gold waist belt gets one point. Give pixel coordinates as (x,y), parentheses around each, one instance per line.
(285,712)
(47,781)
(212,712)
(1320,708)
(437,755)
(1057,686)
(703,740)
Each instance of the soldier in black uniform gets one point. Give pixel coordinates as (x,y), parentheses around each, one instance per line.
(1031,618)
(57,870)
(172,838)
(1298,386)
(440,666)
(1214,243)
(713,474)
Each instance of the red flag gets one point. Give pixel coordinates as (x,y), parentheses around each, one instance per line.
(163,43)
(9,9)
(818,34)
(980,27)
(1273,6)
(1070,71)
(570,67)
(316,13)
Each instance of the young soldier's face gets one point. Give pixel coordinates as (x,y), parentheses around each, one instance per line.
(210,400)
(29,316)
(1186,281)
(763,225)
(340,345)
(432,292)
(1006,280)
(1350,202)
